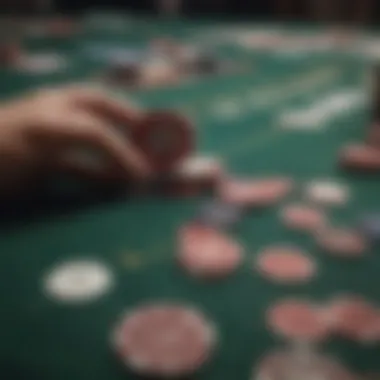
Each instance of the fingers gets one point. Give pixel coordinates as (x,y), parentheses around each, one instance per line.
(86,117)
(116,111)
(85,131)
(100,136)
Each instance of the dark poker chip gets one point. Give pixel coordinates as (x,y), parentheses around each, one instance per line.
(165,137)
(219,214)
(369,226)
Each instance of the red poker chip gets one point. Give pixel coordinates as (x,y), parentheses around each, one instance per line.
(360,157)
(207,253)
(342,242)
(283,364)
(254,193)
(165,137)
(354,318)
(302,217)
(285,264)
(298,320)
(164,340)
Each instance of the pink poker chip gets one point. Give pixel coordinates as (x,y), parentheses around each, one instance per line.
(254,192)
(285,264)
(303,218)
(205,252)
(298,320)
(283,364)
(164,340)
(341,242)
(354,318)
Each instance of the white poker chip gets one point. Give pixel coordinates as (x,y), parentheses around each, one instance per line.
(198,166)
(327,192)
(78,281)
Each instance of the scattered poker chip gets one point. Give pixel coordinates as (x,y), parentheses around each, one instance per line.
(360,158)
(158,72)
(207,253)
(200,168)
(298,320)
(285,364)
(256,192)
(302,217)
(219,215)
(196,174)
(165,137)
(285,264)
(325,192)
(164,340)
(78,281)
(341,242)
(354,318)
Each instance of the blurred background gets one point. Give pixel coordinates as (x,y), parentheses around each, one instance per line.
(363,11)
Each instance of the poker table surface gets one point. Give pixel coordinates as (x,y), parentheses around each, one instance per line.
(69,219)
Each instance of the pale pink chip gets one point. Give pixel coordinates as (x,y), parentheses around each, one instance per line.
(255,193)
(206,252)
(342,242)
(164,340)
(354,318)
(303,218)
(285,264)
(289,365)
(298,321)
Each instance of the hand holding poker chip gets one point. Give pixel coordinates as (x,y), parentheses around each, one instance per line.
(164,137)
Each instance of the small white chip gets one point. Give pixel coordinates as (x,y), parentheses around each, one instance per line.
(327,192)
(78,281)
(199,166)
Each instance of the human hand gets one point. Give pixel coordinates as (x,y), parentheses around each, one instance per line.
(44,130)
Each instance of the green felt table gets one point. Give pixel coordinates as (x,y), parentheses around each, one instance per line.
(43,339)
